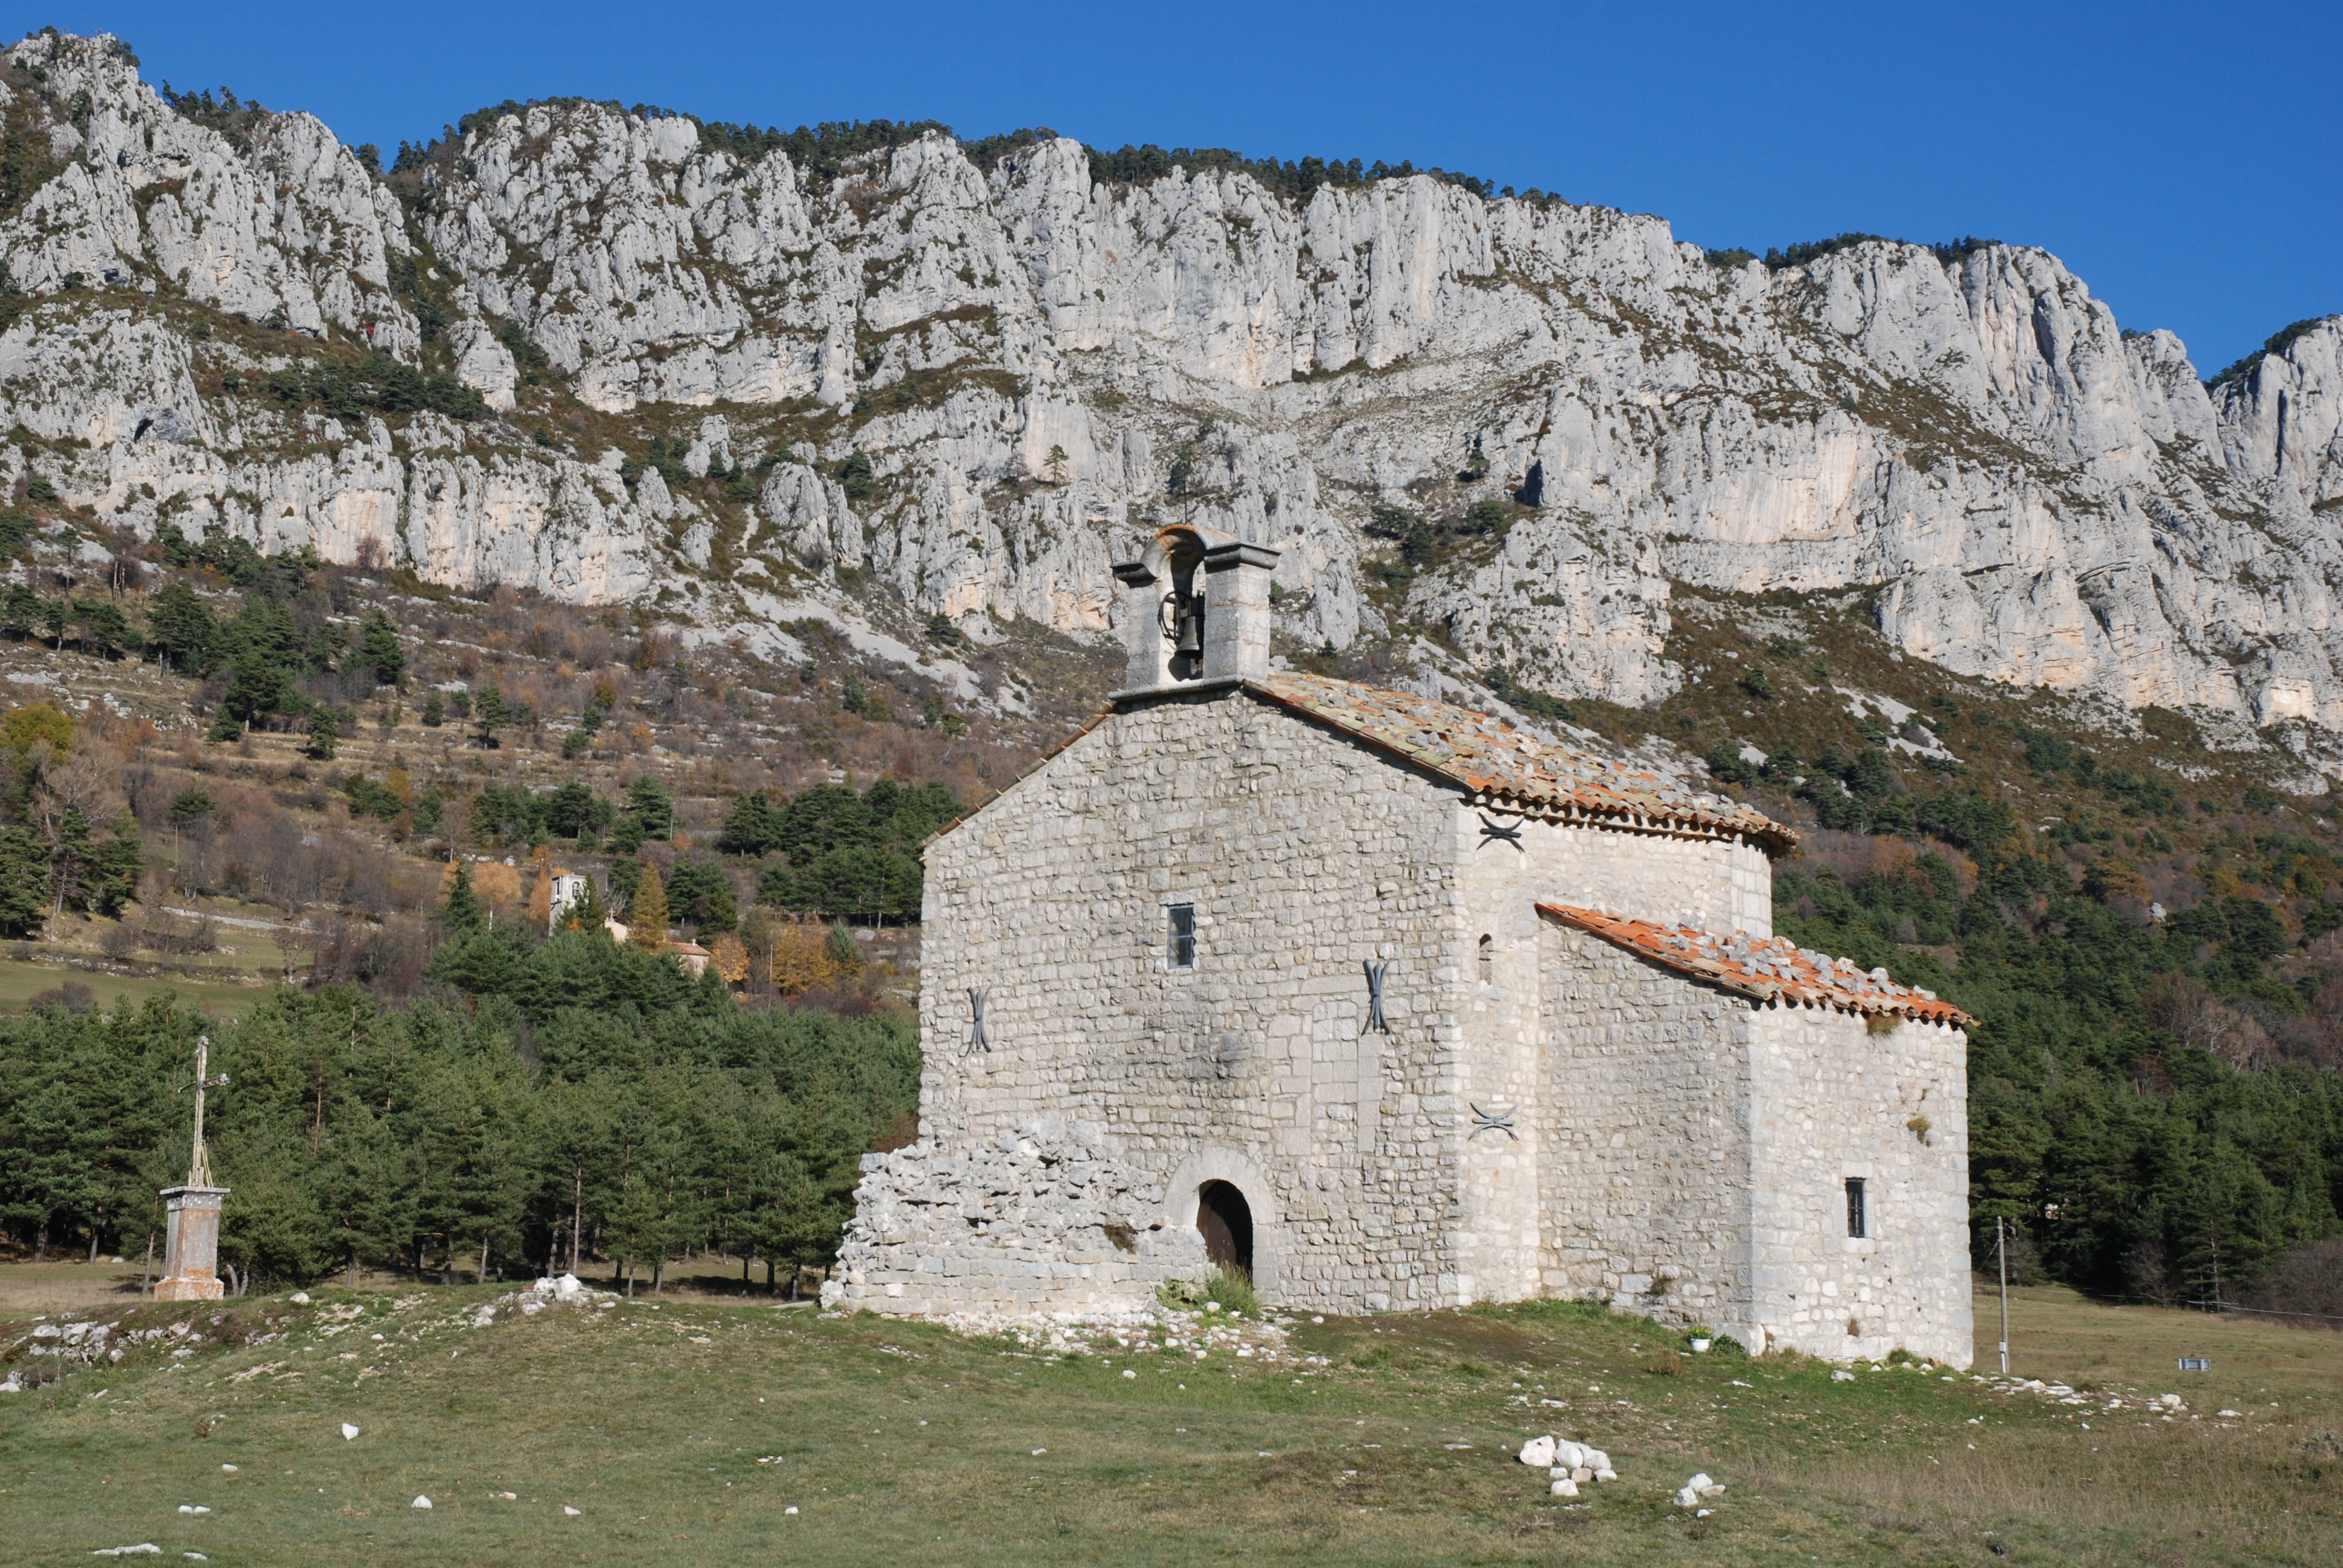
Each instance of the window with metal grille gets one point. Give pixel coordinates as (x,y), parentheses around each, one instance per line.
(1488,960)
(1855,1217)
(1180,935)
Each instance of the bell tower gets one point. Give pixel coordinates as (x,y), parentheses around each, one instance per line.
(1196,609)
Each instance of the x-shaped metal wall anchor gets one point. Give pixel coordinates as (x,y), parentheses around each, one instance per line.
(1483,1121)
(1375,1023)
(1499,833)
(976,1041)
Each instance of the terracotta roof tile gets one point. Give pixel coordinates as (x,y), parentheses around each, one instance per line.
(1515,770)
(1768,968)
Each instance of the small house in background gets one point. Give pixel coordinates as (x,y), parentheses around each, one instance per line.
(568,888)
(689,954)
(1394,1004)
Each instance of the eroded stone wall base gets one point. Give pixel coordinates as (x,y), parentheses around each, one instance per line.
(1028,1224)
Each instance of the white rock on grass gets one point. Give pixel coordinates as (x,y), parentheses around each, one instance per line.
(1538,1451)
(349,1431)
(420,1501)
(144,1549)
(1565,1487)
(300,1298)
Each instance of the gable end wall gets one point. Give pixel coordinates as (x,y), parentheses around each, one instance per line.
(1305,854)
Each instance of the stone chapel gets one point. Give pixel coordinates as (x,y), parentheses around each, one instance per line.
(1398,1006)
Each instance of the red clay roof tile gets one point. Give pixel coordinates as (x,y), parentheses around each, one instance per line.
(1769,968)
(1517,771)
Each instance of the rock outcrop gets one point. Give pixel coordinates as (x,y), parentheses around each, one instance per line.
(979,386)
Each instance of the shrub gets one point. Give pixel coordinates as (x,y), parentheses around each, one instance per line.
(2277,342)
(376,385)
(1229,1288)
(854,476)
(1726,764)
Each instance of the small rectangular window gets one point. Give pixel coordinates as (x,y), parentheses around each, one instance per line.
(1856,1218)
(1181,947)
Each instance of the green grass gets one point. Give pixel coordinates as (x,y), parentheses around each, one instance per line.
(902,1441)
(20,982)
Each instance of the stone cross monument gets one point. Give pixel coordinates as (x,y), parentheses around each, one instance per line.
(191,1245)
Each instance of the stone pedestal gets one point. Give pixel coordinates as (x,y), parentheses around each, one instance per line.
(191,1245)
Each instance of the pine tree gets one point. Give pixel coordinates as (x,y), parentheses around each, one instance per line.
(463,912)
(20,610)
(648,803)
(114,874)
(489,716)
(434,710)
(325,734)
(843,950)
(647,913)
(378,651)
(24,882)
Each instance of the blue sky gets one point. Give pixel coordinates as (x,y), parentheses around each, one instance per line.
(2185,161)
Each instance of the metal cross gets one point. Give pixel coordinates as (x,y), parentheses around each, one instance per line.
(1375,1022)
(1483,1121)
(1499,833)
(976,1041)
(199,1166)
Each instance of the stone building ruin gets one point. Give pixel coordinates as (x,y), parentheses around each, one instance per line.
(1399,1006)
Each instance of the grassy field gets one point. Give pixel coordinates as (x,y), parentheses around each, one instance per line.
(682,1432)
(20,982)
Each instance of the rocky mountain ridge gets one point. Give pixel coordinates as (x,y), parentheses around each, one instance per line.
(926,396)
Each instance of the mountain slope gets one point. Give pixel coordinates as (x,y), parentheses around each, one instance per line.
(885,385)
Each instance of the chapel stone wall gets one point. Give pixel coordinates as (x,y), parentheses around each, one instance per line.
(1503,1233)
(1833,1099)
(1645,1176)
(1305,855)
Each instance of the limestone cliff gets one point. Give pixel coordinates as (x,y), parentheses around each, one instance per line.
(1033,367)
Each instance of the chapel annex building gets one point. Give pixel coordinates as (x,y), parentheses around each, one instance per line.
(1398,1007)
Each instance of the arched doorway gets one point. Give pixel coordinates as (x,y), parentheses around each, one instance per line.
(1226,1220)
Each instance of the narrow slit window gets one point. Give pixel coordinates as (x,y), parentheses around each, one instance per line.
(1180,925)
(1488,960)
(1857,1221)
